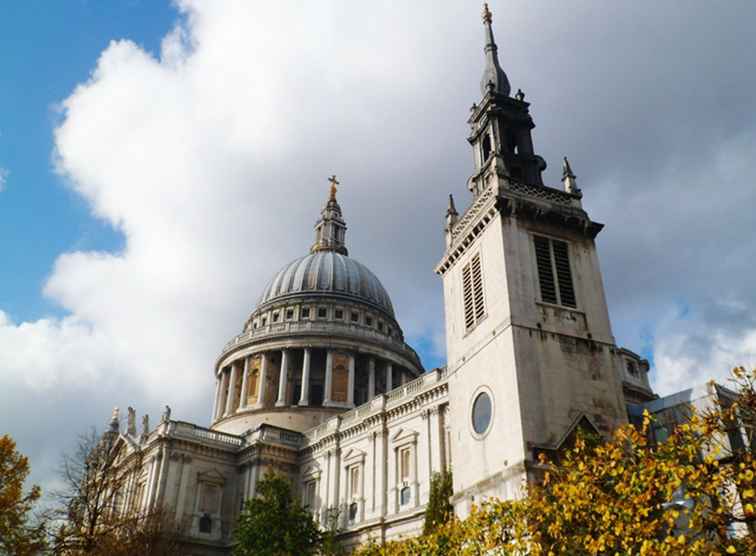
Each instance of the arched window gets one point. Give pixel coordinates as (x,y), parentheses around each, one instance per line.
(485,146)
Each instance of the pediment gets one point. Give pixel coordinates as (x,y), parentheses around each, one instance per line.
(312,470)
(211,476)
(581,423)
(124,446)
(353,454)
(404,435)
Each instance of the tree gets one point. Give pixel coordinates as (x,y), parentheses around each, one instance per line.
(274,524)
(329,537)
(17,535)
(439,509)
(90,511)
(629,495)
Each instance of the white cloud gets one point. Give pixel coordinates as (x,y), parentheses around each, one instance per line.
(4,173)
(690,353)
(211,160)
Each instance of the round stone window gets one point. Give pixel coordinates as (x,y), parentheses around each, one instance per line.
(481,413)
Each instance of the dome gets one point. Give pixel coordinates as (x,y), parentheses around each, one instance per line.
(327,273)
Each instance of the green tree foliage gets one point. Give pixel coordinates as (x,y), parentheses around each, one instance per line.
(329,544)
(17,535)
(274,524)
(439,509)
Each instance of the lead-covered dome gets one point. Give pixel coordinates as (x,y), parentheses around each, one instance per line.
(327,273)
(322,339)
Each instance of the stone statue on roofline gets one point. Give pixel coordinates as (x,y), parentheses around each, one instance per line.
(131,422)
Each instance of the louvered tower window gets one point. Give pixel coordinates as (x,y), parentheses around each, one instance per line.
(473,299)
(554,272)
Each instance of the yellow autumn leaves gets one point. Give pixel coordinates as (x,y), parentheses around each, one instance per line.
(692,494)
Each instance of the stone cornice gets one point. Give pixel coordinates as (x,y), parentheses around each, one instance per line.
(511,198)
(319,335)
(427,391)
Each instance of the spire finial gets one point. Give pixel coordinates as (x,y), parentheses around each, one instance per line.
(451,210)
(487,15)
(567,170)
(494,78)
(334,182)
(330,230)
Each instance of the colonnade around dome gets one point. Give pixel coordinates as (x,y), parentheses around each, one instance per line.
(299,387)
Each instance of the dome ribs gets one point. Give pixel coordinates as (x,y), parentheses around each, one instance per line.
(328,272)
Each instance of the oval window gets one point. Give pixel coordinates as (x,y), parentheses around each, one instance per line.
(481,413)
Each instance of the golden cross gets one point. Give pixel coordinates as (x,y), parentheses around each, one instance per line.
(334,183)
(487,16)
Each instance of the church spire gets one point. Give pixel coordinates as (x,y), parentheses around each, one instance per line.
(494,77)
(330,230)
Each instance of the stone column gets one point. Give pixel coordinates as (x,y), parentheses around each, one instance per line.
(389,378)
(221,399)
(371,378)
(304,396)
(215,398)
(263,379)
(328,378)
(231,389)
(243,395)
(283,378)
(350,382)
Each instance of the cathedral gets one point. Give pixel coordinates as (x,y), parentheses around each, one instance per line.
(320,385)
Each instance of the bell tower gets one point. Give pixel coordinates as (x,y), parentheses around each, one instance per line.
(500,125)
(530,351)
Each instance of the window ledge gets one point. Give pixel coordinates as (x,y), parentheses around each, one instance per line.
(560,307)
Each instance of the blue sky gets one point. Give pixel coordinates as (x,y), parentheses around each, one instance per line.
(194,141)
(46,49)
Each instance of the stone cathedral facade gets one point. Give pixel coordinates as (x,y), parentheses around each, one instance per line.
(321,387)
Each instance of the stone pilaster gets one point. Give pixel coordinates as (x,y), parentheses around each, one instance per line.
(381,478)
